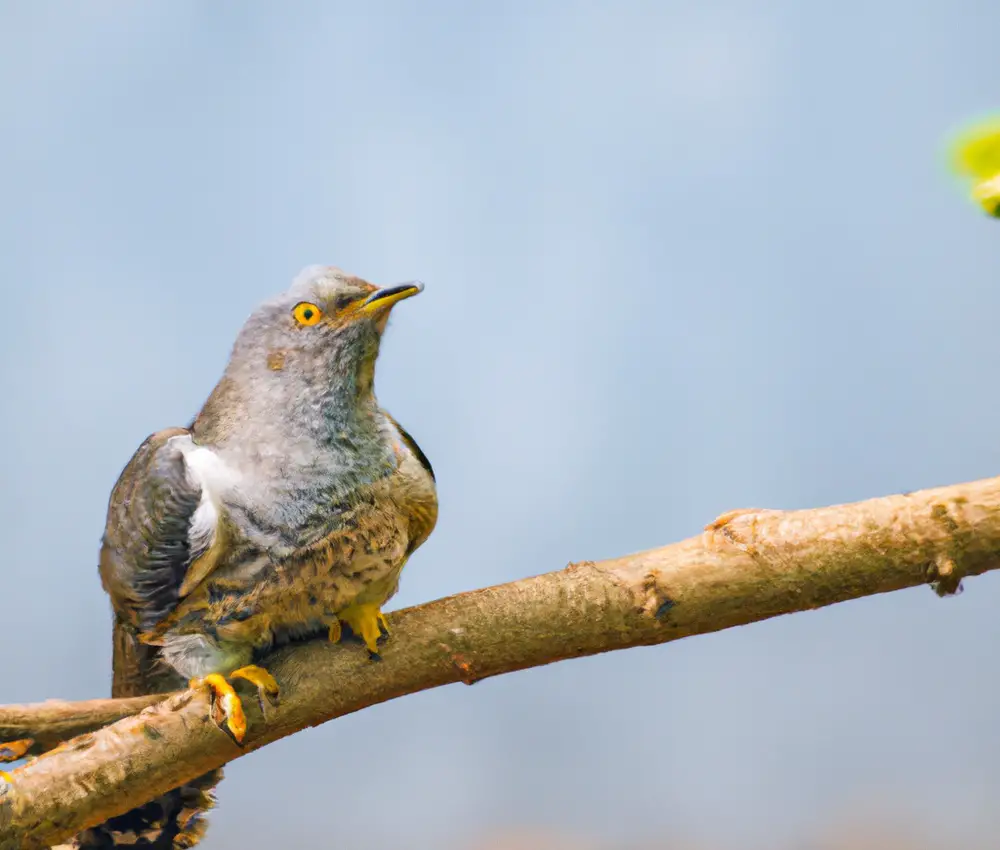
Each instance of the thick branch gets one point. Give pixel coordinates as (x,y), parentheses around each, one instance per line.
(746,566)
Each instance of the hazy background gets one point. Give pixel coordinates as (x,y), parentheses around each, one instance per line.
(680,257)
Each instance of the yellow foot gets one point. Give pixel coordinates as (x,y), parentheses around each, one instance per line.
(335,633)
(226,705)
(367,622)
(267,688)
(15,750)
(6,777)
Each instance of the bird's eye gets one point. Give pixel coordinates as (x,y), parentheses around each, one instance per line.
(307,314)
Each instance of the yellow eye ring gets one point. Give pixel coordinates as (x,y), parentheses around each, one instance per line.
(307,314)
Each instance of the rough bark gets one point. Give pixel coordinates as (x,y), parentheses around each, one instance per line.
(29,730)
(745,566)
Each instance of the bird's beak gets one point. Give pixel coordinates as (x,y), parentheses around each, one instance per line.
(382,299)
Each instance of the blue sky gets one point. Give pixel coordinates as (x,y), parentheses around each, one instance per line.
(680,257)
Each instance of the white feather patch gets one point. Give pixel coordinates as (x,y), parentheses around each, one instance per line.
(214,477)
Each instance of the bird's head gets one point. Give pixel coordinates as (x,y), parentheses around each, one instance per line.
(312,350)
(327,319)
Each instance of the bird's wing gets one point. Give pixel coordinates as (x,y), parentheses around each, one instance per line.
(422,499)
(154,534)
(411,444)
(160,528)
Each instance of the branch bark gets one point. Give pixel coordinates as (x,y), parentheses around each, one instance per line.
(745,566)
(33,729)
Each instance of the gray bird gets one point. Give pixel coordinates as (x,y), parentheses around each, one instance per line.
(287,507)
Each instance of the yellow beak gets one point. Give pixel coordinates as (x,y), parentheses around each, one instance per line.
(382,299)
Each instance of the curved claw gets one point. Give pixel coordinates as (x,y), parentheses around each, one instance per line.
(226,705)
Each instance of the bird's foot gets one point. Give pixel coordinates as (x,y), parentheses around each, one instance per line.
(226,706)
(267,688)
(6,777)
(366,621)
(15,750)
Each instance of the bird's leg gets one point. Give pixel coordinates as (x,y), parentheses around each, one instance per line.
(367,622)
(226,705)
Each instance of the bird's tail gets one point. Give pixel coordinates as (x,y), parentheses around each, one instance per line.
(170,822)
(177,819)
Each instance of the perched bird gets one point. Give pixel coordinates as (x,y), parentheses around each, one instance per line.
(287,507)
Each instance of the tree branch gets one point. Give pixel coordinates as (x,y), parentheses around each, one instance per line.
(33,729)
(746,566)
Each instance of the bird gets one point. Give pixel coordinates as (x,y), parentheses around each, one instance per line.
(286,509)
